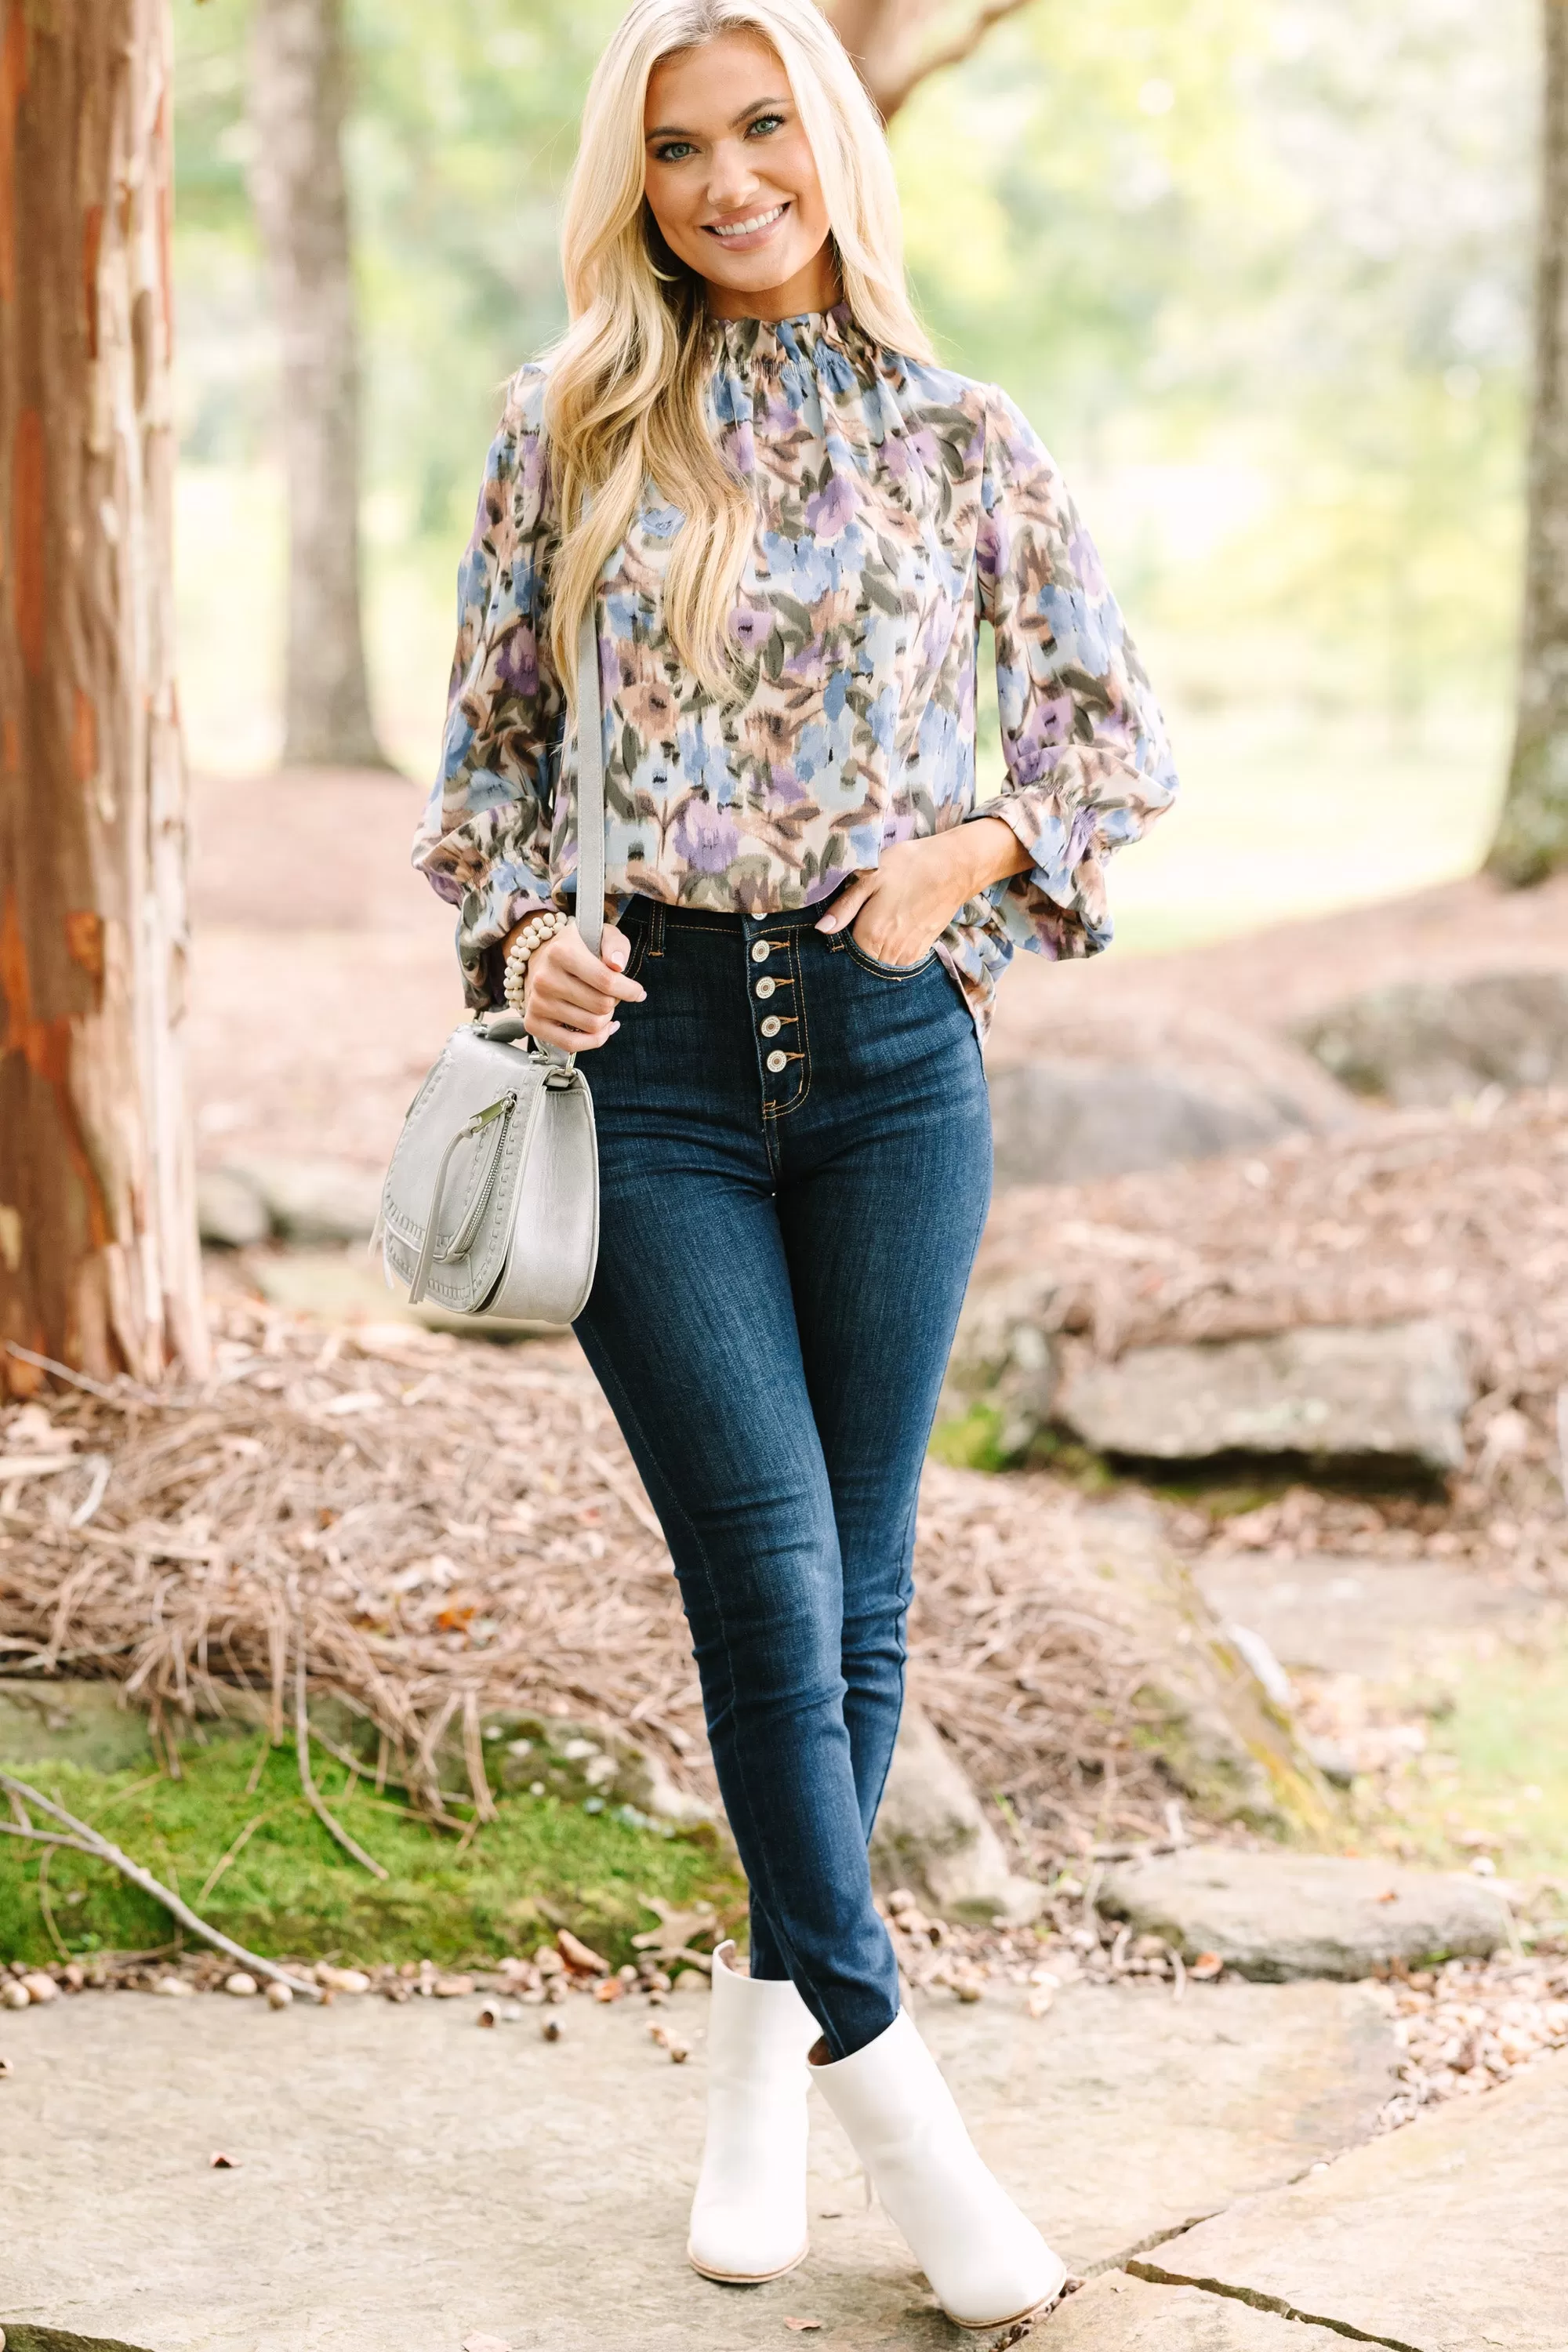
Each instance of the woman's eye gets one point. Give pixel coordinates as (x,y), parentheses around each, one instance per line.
(764,123)
(674,151)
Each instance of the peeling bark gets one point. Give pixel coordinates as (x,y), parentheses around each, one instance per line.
(297,94)
(98,1260)
(1531,839)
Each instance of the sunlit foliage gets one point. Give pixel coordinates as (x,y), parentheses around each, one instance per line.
(1259,272)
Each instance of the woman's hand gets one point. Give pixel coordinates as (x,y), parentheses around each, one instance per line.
(572,993)
(902,907)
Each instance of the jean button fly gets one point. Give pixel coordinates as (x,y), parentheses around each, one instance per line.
(778,1062)
(760,950)
(766,987)
(772,1025)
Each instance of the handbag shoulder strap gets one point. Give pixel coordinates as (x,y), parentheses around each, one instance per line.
(590,783)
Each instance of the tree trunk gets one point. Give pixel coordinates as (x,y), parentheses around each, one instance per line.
(883,38)
(1531,839)
(98,1260)
(298,91)
(880,36)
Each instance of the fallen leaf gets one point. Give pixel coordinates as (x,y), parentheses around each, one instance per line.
(801,2325)
(580,1958)
(221,2163)
(1206,1968)
(669,1939)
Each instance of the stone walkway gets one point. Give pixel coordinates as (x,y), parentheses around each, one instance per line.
(403,2181)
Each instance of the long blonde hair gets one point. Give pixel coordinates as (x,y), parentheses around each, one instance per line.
(626,399)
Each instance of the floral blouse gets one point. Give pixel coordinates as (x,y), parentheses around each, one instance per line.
(898,506)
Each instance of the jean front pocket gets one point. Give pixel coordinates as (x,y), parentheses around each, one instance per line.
(637,933)
(888,971)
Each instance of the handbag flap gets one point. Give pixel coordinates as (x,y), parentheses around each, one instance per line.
(478,1198)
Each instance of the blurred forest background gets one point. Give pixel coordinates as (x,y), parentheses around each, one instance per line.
(1258,270)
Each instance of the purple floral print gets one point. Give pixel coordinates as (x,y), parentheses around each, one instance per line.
(898,507)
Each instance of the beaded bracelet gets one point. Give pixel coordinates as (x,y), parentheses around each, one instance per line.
(533,934)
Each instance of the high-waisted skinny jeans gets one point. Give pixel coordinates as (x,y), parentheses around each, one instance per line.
(794,1151)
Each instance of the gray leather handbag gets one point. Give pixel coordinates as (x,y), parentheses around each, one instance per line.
(490,1206)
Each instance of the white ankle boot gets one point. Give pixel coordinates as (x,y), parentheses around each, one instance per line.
(748,2217)
(985,2262)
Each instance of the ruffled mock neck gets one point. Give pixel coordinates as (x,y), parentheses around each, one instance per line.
(797,340)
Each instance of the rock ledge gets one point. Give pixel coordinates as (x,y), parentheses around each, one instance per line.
(1277,1916)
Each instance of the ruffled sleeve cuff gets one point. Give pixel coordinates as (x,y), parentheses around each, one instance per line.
(493,885)
(1057,905)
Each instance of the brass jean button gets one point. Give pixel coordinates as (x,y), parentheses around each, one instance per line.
(772,1025)
(766,987)
(778,1062)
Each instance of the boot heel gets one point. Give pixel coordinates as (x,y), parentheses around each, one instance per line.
(987,2264)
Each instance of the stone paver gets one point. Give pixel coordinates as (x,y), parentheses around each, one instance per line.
(1446,2237)
(1399,1390)
(1118,2314)
(1276,1915)
(404,2180)
(1372,1617)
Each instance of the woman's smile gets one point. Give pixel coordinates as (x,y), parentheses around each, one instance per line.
(743,236)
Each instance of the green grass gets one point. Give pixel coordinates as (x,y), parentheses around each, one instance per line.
(1497,1762)
(544,1862)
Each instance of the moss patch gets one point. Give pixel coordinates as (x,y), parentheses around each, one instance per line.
(19,2337)
(544,1862)
(971,1440)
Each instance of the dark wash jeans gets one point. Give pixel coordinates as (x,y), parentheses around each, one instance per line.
(794,1154)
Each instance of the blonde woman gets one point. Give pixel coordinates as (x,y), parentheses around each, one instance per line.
(790,522)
